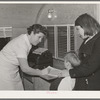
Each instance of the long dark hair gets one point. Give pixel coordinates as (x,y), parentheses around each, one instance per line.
(88,23)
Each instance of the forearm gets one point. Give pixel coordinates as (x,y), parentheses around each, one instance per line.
(90,63)
(84,70)
(30,71)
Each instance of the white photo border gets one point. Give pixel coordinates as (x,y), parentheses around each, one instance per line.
(49,95)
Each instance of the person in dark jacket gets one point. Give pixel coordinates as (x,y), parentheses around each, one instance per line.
(87,74)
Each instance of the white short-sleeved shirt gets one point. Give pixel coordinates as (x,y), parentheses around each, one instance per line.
(16,48)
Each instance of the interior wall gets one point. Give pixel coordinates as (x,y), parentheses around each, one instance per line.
(19,16)
(66,14)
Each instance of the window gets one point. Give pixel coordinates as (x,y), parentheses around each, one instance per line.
(5,32)
(61,39)
(50,39)
(72,38)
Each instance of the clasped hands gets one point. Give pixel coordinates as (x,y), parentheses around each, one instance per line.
(53,73)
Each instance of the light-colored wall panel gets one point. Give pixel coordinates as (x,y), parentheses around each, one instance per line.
(66,13)
(18,31)
(18,15)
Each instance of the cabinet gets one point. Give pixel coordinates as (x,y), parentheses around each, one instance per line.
(41,84)
(28,85)
(35,83)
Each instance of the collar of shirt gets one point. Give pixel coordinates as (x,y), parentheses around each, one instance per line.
(89,39)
